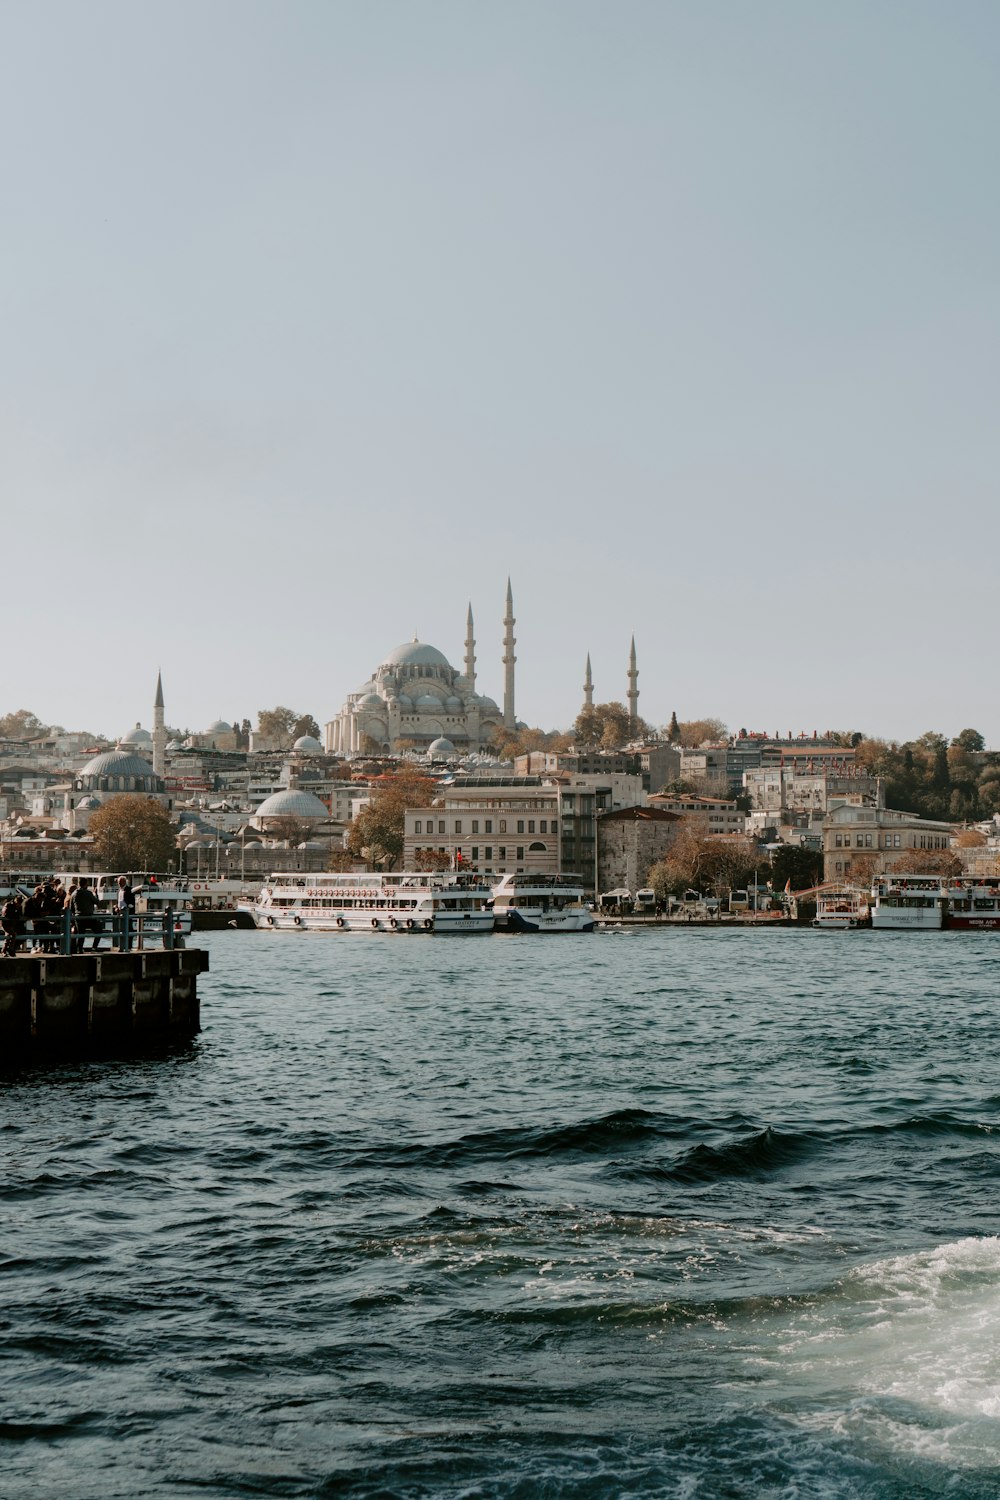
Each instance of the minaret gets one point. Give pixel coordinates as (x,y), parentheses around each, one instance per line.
(470,652)
(633,691)
(509,721)
(159,731)
(588,687)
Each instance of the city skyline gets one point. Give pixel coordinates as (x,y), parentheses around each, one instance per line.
(321,320)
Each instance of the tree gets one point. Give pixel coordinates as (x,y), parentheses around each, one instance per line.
(970,740)
(432,859)
(277,723)
(695,732)
(376,834)
(288,829)
(673,729)
(21,725)
(132,832)
(608,726)
(305,724)
(802,868)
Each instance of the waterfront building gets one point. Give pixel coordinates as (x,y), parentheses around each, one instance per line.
(631,840)
(859,841)
(711,814)
(493,825)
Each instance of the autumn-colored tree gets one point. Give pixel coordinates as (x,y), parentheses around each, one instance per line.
(927,862)
(132,832)
(22,724)
(277,723)
(695,732)
(705,862)
(607,726)
(376,834)
(288,829)
(432,859)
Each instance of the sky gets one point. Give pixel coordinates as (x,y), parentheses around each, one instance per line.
(319,320)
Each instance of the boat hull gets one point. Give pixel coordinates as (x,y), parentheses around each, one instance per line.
(903,919)
(521,920)
(462,924)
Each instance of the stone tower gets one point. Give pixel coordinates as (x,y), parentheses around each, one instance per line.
(633,691)
(470,652)
(159,731)
(509,659)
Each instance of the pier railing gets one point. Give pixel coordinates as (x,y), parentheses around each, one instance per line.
(110,932)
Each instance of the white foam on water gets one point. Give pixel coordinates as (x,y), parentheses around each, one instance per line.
(905,1355)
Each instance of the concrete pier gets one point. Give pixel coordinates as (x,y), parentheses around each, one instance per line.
(87,1003)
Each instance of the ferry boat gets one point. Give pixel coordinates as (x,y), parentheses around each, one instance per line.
(974,903)
(841,910)
(404,903)
(914,903)
(540,903)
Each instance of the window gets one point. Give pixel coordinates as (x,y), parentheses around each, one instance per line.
(458,825)
(418,826)
(868,840)
(475,854)
(489,854)
(475,825)
(531,825)
(503,852)
(520,825)
(520,852)
(440,825)
(488,826)
(859,840)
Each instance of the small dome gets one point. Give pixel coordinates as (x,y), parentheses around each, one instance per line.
(219,727)
(137,736)
(371,700)
(405,703)
(429,701)
(440,749)
(415,654)
(453,704)
(308,744)
(294,803)
(488,706)
(312,844)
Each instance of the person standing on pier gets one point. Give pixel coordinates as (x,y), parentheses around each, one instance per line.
(10,921)
(126,911)
(84,921)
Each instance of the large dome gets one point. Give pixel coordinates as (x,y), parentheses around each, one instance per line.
(415,654)
(294,803)
(137,736)
(117,763)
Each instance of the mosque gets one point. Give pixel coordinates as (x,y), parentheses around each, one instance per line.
(417,698)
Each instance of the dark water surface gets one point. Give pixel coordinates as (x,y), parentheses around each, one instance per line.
(645,1214)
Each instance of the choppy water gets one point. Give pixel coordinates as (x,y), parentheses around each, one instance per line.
(645,1214)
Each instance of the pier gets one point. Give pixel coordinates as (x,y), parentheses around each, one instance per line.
(55,1000)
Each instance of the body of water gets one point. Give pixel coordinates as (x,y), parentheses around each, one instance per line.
(648,1213)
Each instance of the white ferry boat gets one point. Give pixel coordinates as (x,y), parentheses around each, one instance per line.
(915,903)
(404,902)
(841,910)
(974,903)
(540,903)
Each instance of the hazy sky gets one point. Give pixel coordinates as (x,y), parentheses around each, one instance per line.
(317,320)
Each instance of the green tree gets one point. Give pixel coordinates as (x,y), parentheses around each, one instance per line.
(376,834)
(305,724)
(673,729)
(802,868)
(969,739)
(132,832)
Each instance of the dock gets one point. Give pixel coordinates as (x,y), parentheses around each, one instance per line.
(89,1004)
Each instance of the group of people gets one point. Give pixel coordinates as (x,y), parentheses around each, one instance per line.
(41,914)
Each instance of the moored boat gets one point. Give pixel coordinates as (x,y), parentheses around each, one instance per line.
(911,903)
(404,903)
(541,903)
(974,903)
(841,909)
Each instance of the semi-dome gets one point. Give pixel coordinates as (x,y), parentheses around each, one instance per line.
(440,749)
(428,700)
(137,736)
(453,704)
(308,744)
(416,654)
(295,803)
